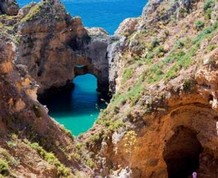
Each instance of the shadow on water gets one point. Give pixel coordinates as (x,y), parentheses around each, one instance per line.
(76,106)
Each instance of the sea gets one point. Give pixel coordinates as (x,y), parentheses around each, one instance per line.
(107,14)
(78,109)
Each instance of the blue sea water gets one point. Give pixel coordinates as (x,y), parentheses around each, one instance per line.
(79,108)
(107,14)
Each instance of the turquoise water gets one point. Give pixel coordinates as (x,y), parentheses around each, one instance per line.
(107,14)
(77,109)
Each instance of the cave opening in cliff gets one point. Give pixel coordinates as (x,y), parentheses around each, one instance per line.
(181,153)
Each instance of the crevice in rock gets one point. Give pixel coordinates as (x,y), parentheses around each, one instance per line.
(182,152)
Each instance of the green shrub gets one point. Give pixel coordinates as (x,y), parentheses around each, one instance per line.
(180,44)
(12,144)
(188,85)
(4,168)
(33,12)
(75,156)
(208,4)
(155,42)
(51,159)
(199,25)
(204,33)
(90,163)
(5,155)
(159,52)
(211,47)
(114,125)
(127,74)
(132,94)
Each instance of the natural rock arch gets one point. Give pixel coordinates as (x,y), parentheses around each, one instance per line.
(102,82)
(93,60)
(51,56)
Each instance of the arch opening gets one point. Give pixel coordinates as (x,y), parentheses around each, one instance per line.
(77,108)
(102,77)
(182,152)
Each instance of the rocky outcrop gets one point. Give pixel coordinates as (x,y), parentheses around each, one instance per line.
(44,51)
(9,7)
(162,120)
(59,48)
(114,51)
(161,11)
(95,53)
(127,27)
(22,116)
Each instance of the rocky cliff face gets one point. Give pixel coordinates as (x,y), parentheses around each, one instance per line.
(20,114)
(9,7)
(162,120)
(59,48)
(25,125)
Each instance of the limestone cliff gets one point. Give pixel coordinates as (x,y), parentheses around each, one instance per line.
(24,125)
(162,120)
(59,48)
(31,143)
(9,7)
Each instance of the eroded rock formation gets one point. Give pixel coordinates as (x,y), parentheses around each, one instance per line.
(59,48)
(9,7)
(162,120)
(23,120)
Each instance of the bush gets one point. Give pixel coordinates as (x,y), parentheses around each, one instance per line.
(188,85)
(51,159)
(159,52)
(127,74)
(180,44)
(211,47)
(208,5)
(90,163)
(155,42)
(4,168)
(199,25)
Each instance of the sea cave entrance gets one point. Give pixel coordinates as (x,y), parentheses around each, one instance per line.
(77,107)
(181,153)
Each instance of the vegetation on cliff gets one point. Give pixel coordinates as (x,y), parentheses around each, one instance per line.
(41,9)
(161,60)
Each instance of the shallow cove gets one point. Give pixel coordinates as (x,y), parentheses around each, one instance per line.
(76,108)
